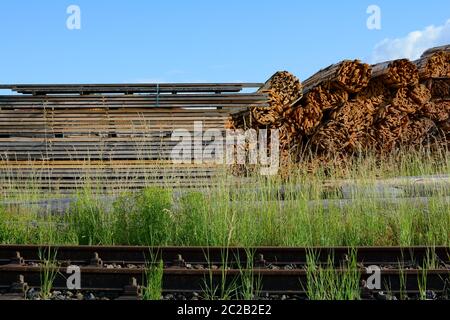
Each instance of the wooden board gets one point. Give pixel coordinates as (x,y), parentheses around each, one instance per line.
(63,142)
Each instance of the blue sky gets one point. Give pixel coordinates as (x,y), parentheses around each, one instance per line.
(204,41)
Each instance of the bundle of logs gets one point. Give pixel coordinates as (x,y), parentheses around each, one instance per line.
(351,106)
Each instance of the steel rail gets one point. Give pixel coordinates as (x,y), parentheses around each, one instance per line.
(190,281)
(218,255)
(402,269)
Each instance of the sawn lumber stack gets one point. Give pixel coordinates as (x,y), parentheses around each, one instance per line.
(115,137)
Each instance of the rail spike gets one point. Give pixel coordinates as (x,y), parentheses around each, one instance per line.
(17,259)
(20,287)
(131,291)
(96,261)
(179,262)
(260,261)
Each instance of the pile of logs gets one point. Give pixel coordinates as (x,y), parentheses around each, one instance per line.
(434,72)
(326,107)
(284,90)
(351,107)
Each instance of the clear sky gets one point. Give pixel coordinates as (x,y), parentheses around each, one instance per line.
(204,40)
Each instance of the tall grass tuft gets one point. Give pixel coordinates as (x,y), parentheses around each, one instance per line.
(90,220)
(250,282)
(49,272)
(220,287)
(193,220)
(145,218)
(327,283)
(154,281)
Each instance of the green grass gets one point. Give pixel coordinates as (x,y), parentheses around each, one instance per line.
(211,222)
(250,282)
(327,283)
(152,291)
(313,213)
(224,289)
(90,222)
(49,272)
(145,217)
(249,213)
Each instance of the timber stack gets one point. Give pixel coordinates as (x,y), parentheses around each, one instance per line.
(283,90)
(59,137)
(125,131)
(352,107)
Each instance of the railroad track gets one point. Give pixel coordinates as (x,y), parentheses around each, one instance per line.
(120,272)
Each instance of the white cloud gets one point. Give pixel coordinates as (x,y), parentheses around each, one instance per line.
(413,45)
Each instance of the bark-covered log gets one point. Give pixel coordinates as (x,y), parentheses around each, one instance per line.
(347,129)
(439,88)
(432,51)
(351,76)
(438,111)
(397,73)
(284,89)
(436,65)
(351,107)
(376,92)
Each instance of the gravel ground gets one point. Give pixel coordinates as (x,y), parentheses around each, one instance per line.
(380,296)
(34,295)
(290,267)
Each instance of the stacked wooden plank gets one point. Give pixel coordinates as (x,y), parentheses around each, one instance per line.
(60,136)
(85,89)
(99,133)
(67,176)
